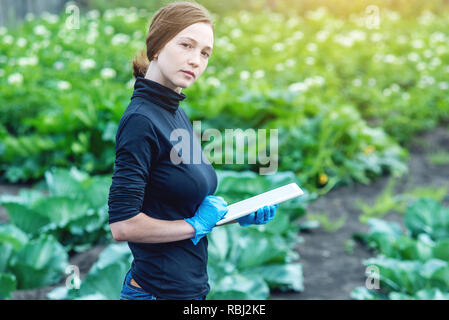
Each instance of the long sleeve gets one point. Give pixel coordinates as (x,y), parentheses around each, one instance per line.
(136,148)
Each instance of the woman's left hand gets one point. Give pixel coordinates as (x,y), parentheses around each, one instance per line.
(261,216)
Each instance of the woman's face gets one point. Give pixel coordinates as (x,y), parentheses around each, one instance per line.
(189,50)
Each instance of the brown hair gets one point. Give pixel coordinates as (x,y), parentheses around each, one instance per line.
(166,24)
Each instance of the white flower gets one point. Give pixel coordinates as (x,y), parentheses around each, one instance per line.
(417,43)
(93,14)
(279,67)
(21,42)
(435,62)
(236,33)
(343,40)
(29,16)
(406,96)
(245,17)
(311,46)
(421,66)
(138,34)
(229,70)
(314,81)
(8,39)
(376,37)
(213,81)
(278,46)
(92,36)
(426,81)
(15,78)
(108,73)
(413,56)
(298,35)
(297,87)
(443,85)
(316,14)
(259,74)
(130,17)
(87,64)
(290,62)
(395,87)
(322,35)
(40,30)
(357,82)
(58,65)
(428,53)
(27,61)
(390,58)
(292,22)
(64,85)
(310,60)
(109,29)
(120,38)
(437,37)
(386,92)
(244,75)
(357,35)
(230,21)
(50,18)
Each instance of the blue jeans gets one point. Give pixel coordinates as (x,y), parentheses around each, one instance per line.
(130,292)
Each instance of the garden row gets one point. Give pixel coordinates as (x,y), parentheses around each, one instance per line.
(343,96)
(67,214)
(411,263)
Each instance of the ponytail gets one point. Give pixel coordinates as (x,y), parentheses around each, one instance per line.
(140,64)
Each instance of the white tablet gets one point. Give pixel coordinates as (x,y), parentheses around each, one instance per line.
(250,205)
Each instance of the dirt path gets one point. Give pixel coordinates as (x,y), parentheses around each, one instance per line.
(330,271)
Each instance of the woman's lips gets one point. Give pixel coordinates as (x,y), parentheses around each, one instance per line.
(188,73)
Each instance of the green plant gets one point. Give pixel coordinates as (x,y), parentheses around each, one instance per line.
(413,264)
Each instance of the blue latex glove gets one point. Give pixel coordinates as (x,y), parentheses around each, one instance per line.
(261,216)
(210,211)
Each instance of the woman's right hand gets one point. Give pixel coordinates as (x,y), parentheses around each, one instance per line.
(210,211)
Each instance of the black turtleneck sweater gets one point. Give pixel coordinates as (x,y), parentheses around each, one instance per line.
(146,180)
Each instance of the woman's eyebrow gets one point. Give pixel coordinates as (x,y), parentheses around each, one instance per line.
(189,38)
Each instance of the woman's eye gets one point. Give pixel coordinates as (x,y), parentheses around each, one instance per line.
(206,54)
(185,44)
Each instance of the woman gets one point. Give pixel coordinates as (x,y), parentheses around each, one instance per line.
(162,209)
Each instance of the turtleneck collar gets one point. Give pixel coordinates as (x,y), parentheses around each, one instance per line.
(157,93)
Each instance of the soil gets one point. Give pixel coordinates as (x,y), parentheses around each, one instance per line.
(331,271)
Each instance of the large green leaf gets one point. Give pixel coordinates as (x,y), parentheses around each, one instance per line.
(7,285)
(239,287)
(256,248)
(397,275)
(105,278)
(28,220)
(60,210)
(428,216)
(285,276)
(62,182)
(39,263)
(219,244)
(12,235)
